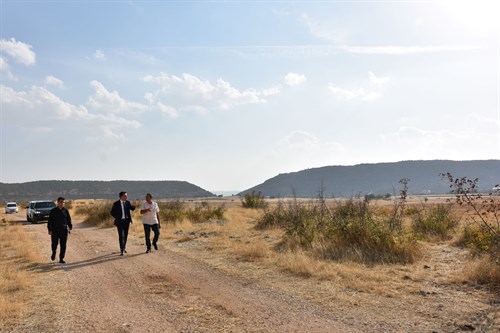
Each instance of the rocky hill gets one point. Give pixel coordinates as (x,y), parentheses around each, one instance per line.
(51,189)
(379,179)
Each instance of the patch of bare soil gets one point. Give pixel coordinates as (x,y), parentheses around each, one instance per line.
(182,287)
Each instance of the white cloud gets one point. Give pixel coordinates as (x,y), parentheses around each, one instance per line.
(164,109)
(404,50)
(368,91)
(294,79)
(318,50)
(19,51)
(167,110)
(104,99)
(378,80)
(99,55)
(190,93)
(53,81)
(5,68)
(301,149)
(299,139)
(274,90)
(350,94)
(39,108)
(323,30)
(411,142)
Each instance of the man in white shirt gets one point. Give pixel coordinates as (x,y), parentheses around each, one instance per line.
(150,220)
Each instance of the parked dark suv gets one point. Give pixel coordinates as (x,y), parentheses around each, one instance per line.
(39,210)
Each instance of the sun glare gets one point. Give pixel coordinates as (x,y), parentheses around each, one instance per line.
(475,14)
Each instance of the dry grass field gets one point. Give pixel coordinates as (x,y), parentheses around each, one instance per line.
(441,290)
(17,253)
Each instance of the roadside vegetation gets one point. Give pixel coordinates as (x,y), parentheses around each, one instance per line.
(176,211)
(98,212)
(345,230)
(16,281)
(481,232)
(253,200)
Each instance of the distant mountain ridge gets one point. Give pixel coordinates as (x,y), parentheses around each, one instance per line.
(89,189)
(379,178)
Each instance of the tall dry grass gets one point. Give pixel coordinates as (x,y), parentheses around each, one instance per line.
(241,237)
(15,280)
(483,270)
(345,230)
(96,213)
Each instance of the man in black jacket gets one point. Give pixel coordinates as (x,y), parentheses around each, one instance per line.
(121,212)
(59,226)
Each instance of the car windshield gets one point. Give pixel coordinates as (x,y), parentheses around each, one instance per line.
(48,204)
(11,205)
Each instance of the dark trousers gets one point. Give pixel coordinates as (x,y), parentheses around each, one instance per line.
(122,227)
(147,233)
(59,237)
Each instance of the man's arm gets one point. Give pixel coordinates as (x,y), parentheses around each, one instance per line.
(50,222)
(113,210)
(68,221)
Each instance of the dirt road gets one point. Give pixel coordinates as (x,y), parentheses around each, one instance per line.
(99,291)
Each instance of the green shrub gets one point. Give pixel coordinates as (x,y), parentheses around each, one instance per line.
(482,232)
(483,240)
(175,211)
(345,231)
(99,214)
(435,221)
(205,213)
(371,196)
(272,218)
(253,200)
(172,211)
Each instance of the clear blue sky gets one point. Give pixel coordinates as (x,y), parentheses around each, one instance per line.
(227,94)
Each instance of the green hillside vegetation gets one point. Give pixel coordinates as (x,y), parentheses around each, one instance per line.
(378,179)
(51,189)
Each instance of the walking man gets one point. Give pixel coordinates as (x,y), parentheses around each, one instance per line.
(121,212)
(150,220)
(59,225)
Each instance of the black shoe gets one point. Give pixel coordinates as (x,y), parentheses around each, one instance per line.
(155,246)
(121,253)
(62,261)
(125,251)
(148,251)
(53,256)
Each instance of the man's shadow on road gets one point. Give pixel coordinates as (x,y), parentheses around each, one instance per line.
(56,266)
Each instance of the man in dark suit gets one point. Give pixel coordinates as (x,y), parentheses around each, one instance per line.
(59,225)
(121,212)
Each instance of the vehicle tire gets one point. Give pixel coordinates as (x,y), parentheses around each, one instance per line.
(28,218)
